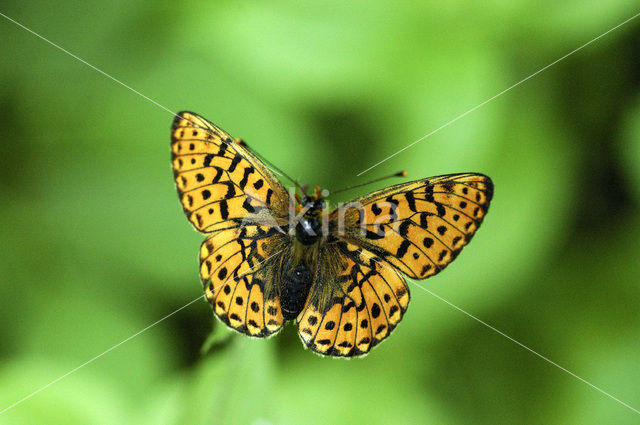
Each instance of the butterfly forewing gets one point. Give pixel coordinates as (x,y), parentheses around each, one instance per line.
(219,180)
(420,227)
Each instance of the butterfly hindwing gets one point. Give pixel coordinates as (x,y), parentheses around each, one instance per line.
(237,267)
(367,301)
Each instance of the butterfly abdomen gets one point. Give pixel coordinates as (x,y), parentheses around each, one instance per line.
(296,284)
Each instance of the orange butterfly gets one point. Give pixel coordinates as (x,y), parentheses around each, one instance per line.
(271,256)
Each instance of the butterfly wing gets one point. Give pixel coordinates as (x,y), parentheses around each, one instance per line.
(219,180)
(419,227)
(354,306)
(238,267)
(415,228)
(225,190)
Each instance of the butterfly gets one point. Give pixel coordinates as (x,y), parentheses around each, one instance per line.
(271,256)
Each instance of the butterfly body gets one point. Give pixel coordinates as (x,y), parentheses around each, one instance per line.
(270,257)
(297,271)
(309,227)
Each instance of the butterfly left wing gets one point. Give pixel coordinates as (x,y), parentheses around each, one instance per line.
(238,267)
(226,191)
(219,180)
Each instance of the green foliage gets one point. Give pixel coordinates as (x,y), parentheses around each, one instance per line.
(95,247)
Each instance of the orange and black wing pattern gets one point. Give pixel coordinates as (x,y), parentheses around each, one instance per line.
(238,268)
(251,263)
(219,181)
(420,227)
(414,228)
(362,303)
(225,190)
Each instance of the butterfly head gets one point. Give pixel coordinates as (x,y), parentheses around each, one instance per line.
(315,204)
(313,201)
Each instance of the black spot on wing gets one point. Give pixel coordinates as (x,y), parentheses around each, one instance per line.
(207,159)
(219,172)
(222,273)
(423,220)
(224,209)
(247,206)
(411,200)
(222,149)
(374,235)
(428,242)
(269,193)
(402,249)
(234,163)
(231,190)
(428,193)
(404,228)
(443,254)
(245,178)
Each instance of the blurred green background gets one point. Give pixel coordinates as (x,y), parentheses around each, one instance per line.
(95,247)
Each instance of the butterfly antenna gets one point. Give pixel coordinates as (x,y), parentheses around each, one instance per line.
(277,170)
(398,174)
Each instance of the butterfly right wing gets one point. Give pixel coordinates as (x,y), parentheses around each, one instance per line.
(414,228)
(356,302)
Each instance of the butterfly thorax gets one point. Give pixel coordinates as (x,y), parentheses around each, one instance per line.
(309,227)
